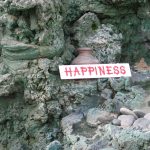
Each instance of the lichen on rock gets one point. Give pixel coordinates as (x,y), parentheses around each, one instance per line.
(38,110)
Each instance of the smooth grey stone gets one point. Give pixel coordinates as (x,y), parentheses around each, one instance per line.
(126,111)
(147,116)
(126,120)
(141,123)
(139,113)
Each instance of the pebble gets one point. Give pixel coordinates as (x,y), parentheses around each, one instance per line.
(126,111)
(141,123)
(96,116)
(126,120)
(139,113)
(147,116)
(116,122)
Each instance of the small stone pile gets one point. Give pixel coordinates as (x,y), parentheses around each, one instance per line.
(133,118)
(100,129)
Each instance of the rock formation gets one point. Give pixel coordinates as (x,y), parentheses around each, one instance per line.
(38,110)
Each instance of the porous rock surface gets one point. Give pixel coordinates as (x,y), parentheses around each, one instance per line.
(131,133)
(38,110)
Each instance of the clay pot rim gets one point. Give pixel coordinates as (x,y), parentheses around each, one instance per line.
(84,49)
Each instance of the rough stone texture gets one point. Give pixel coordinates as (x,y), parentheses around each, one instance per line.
(107,46)
(7,84)
(127,139)
(106,137)
(106,93)
(95,116)
(119,84)
(84,27)
(141,123)
(55,145)
(131,98)
(140,77)
(36,36)
(70,120)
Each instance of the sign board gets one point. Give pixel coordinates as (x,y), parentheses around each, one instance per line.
(94,71)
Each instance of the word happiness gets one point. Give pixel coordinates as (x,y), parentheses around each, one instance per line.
(94,71)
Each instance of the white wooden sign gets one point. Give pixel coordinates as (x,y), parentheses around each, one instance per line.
(94,71)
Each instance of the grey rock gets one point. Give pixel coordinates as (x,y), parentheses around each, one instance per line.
(105,44)
(39,113)
(100,144)
(54,109)
(71,119)
(116,122)
(3,69)
(88,102)
(117,83)
(89,33)
(32,127)
(7,84)
(126,120)
(55,145)
(102,83)
(113,105)
(36,36)
(132,99)
(36,45)
(126,111)
(107,93)
(140,77)
(149,127)
(147,116)
(96,116)
(44,63)
(85,26)
(139,113)
(17,145)
(21,5)
(55,63)
(81,144)
(131,139)
(141,123)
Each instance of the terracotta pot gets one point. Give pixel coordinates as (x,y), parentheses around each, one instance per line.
(85,57)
